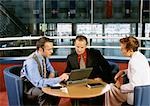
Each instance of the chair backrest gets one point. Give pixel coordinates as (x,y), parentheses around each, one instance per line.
(142,95)
(114,68)
(14,85)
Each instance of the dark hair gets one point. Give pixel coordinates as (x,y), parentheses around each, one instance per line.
(131,43)
(81,38)
(40,43)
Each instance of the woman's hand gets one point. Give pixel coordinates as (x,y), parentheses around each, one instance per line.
(118,75)
(118,84)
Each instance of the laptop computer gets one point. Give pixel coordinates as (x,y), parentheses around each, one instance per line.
(79,75)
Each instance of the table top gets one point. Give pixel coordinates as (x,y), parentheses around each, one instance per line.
(78,90)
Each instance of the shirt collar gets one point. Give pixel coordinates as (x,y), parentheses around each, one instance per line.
(83,54)
(39,55)
(136,52)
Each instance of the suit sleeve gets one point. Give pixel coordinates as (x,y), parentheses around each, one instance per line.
(103,62)
(68,67)
(106,68)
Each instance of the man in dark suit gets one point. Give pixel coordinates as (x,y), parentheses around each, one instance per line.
(91,57)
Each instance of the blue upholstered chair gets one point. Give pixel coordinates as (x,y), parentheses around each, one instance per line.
(142,95)
(14,85)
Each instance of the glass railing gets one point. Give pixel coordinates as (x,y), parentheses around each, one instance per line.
(63,45)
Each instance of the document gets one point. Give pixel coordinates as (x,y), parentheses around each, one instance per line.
(94,85)
(64,89)
(56,86)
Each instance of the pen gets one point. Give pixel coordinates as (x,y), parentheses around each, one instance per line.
(121,76)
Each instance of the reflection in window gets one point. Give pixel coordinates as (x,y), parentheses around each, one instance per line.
(89,29)
(62,51)
(64,29)
(147,43)
(147,29)
(115,30)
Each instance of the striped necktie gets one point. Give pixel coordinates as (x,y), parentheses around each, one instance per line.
(44,67)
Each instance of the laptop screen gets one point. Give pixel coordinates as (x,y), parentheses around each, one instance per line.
(80,74)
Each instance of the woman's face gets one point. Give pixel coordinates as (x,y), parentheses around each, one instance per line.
(124,51)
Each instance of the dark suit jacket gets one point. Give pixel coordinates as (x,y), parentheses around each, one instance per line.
(101,67)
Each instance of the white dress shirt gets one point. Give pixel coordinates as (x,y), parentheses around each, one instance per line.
(138,74)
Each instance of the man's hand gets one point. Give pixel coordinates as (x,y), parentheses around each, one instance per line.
(64,76)
(51,75)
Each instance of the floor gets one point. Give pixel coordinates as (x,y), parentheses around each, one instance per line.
(3,99)
(63,101)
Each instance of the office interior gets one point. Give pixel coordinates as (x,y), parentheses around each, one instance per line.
(103,22)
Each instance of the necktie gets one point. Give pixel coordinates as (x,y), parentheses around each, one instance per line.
(44,67)
(82,63)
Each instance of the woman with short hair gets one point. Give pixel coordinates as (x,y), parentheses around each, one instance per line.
(138,73)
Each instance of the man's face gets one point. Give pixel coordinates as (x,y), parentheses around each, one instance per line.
(48,49)
(80,46)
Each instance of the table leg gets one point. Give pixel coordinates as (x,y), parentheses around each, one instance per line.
(76,102)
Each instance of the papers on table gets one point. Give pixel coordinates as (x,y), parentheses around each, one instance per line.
(57,85)
(64,89)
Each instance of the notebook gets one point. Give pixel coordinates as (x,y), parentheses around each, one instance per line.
(79,75)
